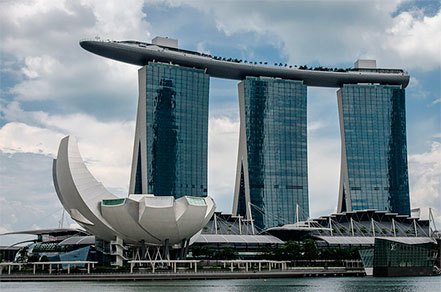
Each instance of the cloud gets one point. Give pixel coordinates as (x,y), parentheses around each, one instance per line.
(19,137)
(41,39)
(416,39)
(324,175)
(37,66)
(425,180)
(106,146)
(201,48)
(27,196)
(436,101)
(360,29)
(52,88)
(222,159)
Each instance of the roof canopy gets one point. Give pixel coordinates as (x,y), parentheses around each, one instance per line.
(238,239)
(361,240)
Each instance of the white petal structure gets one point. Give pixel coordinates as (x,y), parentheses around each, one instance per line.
(135,219)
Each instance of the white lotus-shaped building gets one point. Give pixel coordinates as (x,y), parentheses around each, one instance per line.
(137,219)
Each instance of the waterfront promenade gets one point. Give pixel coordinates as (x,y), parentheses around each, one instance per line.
(182,275)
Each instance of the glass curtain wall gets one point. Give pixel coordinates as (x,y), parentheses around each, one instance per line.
(276,151)
(374,171)
(177,130)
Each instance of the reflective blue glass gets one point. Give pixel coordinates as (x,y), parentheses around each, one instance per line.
(177,130)
(275,130)
(374,171)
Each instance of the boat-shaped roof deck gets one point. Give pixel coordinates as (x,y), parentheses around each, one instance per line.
(139,53)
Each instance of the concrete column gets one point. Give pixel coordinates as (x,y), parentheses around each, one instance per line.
(174,267)
(131,268)
(246,266)
(50,268)
(260,266)
(68,268)
(9,269)
(269,266)
(231,267)
(153,267)
(195,267)
(88,268)
(34,269)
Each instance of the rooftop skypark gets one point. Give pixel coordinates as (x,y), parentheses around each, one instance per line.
(140,53)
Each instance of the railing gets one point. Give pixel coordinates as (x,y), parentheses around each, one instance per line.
(261,63)
(11,265)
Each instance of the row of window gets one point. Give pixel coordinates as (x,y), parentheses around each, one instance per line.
(177,129)
(374,133)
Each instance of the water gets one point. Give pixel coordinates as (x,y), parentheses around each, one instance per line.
(359,284)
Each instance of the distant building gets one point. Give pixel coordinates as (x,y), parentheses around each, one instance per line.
(58,244)
(374,153)
(398,259)
(272,171)
(357,228)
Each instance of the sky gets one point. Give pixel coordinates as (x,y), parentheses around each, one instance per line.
(50,88)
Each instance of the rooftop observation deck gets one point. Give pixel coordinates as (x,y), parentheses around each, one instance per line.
(139,53)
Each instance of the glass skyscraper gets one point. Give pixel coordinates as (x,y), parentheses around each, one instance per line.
(272,161)
(171,140)
(374,153)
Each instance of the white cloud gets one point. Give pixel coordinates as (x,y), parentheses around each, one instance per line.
(87,93)
(360,29)
(200,47)
(324,174)
(42,37)
(436,101)
(415,40)
(19,137)
(222,150)
(425,180)
(105,146)
(38,66)
(27,197)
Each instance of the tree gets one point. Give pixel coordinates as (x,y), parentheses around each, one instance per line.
(291,251)
(310,251)
(202,252)
(225,254)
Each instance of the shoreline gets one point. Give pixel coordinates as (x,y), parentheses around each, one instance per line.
(304,273)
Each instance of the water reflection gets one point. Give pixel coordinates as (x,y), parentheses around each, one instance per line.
(253,285)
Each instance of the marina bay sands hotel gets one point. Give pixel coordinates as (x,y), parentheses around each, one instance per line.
(171,139)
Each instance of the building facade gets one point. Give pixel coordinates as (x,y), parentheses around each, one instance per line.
(170,149)
(171,140)
(398,259)
(374,153)
(272,161)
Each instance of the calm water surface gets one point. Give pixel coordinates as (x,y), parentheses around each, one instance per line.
(359,284)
